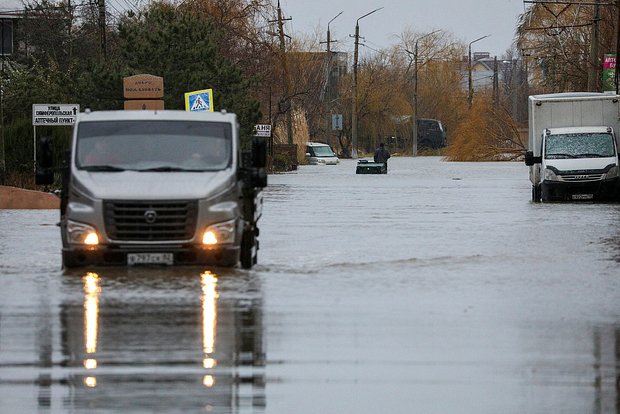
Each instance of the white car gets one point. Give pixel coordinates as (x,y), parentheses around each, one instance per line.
(320,154)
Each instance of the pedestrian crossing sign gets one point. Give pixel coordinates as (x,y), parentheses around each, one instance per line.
(199,101)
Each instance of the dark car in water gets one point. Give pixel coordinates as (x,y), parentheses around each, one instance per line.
(431,134)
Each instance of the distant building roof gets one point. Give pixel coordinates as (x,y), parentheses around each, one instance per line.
(10,8)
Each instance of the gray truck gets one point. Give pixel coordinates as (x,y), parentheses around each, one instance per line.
(158,188)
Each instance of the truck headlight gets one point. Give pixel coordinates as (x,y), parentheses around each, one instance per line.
(219,233)
(550,175)
(81,233)
(613,172)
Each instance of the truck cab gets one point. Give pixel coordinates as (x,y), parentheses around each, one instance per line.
(160,187)
(579,163)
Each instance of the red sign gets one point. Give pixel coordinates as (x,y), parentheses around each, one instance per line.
(609,62)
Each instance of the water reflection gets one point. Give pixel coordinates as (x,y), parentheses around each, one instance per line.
(606,353)
(91,320)
(134,331)
(209,320)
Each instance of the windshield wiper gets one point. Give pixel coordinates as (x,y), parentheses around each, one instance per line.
(556,156)
(104,168)
(592,156)
(168,169)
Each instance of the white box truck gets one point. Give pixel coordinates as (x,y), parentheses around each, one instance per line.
(158,187)
(573,146)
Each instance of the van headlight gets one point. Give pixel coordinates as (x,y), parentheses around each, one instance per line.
(613,172)
(550,175)
(80,233)
(219,233)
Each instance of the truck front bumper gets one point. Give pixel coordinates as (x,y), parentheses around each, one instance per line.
(606,190)
(226,256)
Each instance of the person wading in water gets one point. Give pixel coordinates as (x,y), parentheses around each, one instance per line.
(382,154)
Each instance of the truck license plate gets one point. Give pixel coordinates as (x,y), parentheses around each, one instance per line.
(150,258)
(583,196)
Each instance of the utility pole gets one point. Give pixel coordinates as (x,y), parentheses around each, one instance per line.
(328,98)
(526,75)
(617,28)
(287,76)
(594,48)
(102,29)
(2,147)
(354,89)
(354,92)
(495,83)
(414,117)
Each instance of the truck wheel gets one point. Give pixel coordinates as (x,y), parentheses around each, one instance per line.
(247,243)
(536,193)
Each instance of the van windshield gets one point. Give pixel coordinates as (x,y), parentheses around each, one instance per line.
(154,146)
(323,151)
(582,145)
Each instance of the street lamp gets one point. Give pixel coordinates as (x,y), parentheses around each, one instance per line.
(354,111)
(415,91)
(470,95)
(328,23)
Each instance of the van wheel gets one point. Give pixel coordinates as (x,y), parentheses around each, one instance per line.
(545,195)
(247,257)
(536,193)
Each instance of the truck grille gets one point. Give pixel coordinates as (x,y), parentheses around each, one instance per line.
(582,177)
(150,220)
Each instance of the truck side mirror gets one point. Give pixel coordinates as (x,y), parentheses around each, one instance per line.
(530,159)
(259,152)
(44,174)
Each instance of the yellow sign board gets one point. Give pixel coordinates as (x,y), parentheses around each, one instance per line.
(199,101)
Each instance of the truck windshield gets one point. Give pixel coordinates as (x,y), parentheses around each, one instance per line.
(581,145)
(166,146)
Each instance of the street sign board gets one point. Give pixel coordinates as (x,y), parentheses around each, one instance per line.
(262,130)
(337,122)
(199,101)
(609,72)
(143,86)
(54,114)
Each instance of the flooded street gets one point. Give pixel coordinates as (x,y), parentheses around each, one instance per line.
(437,288)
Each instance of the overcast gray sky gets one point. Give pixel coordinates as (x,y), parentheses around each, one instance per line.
(466,19)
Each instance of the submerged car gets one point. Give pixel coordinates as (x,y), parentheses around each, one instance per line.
(368,167)
(320,154)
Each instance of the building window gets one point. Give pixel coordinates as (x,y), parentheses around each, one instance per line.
(6,37)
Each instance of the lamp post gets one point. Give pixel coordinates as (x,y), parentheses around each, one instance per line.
(354,110)
(415,92)
(470,95)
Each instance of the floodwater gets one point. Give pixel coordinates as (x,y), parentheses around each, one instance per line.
(437,288)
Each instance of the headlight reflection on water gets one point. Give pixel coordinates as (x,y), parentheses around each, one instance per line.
(91,323)
(208,283)
(209,298)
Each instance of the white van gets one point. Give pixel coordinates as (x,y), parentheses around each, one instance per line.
(320,154)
